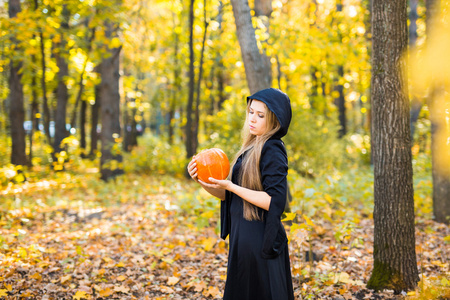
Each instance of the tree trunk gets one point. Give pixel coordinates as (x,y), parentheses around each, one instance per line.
(83,112)
(62,95)
(189,142)
(263,8)
(340,102)
(394,253)
(45,107)
(111,160)
(95,109)
(199,80)
(256,71)
(16,112)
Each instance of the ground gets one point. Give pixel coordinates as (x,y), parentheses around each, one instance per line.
(150,248)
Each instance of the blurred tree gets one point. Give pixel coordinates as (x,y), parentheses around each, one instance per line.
(95,109)
(191,138)
(395,265)
(108,93)
(62,95)
(440,153)
(16,102)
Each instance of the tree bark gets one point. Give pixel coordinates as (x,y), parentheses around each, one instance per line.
(111,160)
(199,80)
(94,122)
(16,112)
(189,129)
(45,107)
(340,101)
(256,71)
(83,112)
(62,95)
(394,253)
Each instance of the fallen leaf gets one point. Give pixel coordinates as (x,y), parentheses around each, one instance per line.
(209,243)
(65,279)
(213,292)
(80,295)
(122,289)
(106,292)
(173,280)
(3,293)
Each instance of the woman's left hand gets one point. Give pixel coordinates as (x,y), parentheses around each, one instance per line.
(216,183)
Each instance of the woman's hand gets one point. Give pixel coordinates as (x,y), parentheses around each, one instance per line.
(192,169)
(216,184)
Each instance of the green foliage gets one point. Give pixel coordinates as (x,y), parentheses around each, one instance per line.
(154,155)
(309,141)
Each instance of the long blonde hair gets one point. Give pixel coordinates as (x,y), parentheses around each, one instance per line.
(249,175)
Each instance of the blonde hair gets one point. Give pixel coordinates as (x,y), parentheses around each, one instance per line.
(249,175)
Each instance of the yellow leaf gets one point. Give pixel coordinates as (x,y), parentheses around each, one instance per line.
(3,293)
(208,214)
(36,276)
(412,293)
(106,292)
(344,277)
(173,280)
(308,221)
(120,265)
(289,217)
(121,278)
(65,279)
(80,295)
(8,287)
(209,243)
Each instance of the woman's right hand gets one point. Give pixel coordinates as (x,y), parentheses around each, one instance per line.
(192,169)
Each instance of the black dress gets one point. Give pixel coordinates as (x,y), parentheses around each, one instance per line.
(258,259)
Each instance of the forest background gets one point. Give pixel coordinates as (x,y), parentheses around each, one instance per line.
(103,104)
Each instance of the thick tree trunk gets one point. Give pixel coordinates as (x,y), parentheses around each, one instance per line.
(189,129)
(62,95)
(256,71)
(111,160)
(16,112)
(394,253)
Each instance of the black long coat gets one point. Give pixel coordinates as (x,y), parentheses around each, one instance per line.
(258,259)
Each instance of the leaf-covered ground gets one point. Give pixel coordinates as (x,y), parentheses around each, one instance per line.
(144,238)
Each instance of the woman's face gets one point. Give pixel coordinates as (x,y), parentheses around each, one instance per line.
(257,117)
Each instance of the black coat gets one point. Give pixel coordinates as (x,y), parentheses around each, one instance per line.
(258,260)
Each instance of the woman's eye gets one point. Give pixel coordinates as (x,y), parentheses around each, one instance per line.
(261,116)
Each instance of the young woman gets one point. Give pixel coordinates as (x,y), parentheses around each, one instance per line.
(253,201)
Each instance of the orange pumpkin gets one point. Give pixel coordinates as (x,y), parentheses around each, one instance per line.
(212,163)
